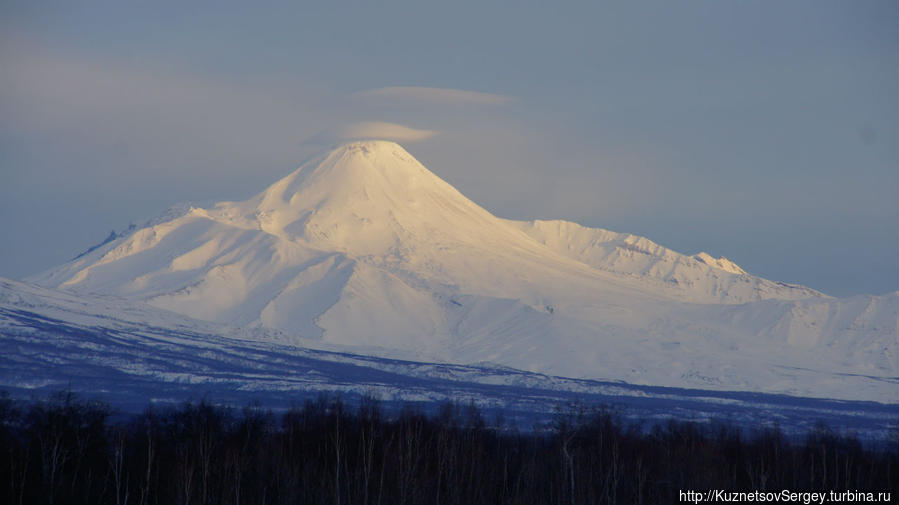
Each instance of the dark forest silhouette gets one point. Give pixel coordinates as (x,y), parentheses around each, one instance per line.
(67,450)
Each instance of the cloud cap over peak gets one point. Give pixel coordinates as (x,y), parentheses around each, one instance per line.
(434,95)
(364,130)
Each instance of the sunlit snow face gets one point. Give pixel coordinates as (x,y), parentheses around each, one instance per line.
(675,122)
(364,247)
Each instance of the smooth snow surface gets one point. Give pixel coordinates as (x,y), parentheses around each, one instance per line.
(132,355)
(366,249)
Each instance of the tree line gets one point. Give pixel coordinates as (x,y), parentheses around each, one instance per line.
(68,450)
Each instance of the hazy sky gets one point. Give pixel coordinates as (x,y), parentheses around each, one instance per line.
(767,132)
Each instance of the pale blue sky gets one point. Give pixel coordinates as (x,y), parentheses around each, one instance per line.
(767,132)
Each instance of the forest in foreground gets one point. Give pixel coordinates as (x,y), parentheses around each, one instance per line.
(68,450)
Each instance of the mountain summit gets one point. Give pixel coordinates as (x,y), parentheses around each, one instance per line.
(361,198)
(366,248)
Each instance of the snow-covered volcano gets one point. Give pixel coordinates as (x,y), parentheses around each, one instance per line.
(366,248)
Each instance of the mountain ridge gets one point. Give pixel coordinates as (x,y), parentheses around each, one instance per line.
(364,247)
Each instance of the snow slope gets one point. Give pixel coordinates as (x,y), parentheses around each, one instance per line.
(132,355)
(698,278)
(366,249)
